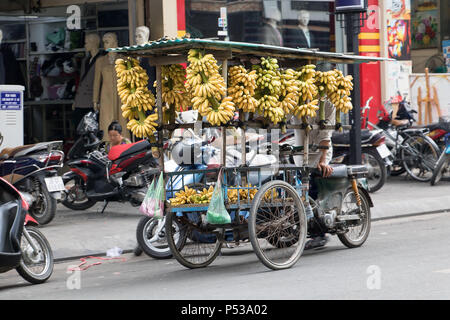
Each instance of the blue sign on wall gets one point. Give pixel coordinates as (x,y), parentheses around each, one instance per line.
(350,5)
(10,100)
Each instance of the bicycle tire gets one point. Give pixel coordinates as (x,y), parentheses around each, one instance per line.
(409,151)
(264,223)
(195,243)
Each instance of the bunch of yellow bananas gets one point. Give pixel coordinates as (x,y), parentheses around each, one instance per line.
(192,196)
(307,110)
(326,81)
(173,90)
(290,90)
(130,73)
(136,99)
(207,88)
(183,196)
(270,195)
(242,88)
(223,114)
(144,126)
(244,194)
(340,98)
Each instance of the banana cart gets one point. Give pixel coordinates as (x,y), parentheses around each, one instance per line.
(268,206)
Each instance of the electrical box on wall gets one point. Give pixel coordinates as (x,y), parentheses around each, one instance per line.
(11,115)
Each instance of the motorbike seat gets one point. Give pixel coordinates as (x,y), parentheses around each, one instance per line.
(124,150)
(11,152)
(27,149)
(437,126)
(344,137)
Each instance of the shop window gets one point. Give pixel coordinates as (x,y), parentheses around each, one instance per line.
(304,24)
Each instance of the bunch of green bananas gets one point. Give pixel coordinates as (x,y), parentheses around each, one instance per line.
(208,88)
(268,90)
(242,85)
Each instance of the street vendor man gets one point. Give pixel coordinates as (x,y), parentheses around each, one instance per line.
(320,160)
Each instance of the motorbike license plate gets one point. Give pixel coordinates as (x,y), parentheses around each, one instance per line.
(54,184)
(383,151)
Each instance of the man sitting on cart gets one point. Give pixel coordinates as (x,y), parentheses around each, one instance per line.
(319,160)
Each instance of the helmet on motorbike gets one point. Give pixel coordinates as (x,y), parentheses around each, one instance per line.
(88,124)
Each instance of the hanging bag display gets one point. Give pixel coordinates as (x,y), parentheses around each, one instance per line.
(217,213)
(145,205)
(158,198)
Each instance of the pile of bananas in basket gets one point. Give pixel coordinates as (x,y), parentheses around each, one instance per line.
(192,196)
(207,88)
(244,194)
(137,100)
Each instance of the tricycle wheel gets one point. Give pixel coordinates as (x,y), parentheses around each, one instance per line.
(202,242)
(277,225)
(356,234)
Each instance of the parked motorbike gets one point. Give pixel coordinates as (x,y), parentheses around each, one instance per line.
(443,164)
(121,175)
(374,154)
(414,152)
(22,246)
(438,131)
(33,169)
(90,137)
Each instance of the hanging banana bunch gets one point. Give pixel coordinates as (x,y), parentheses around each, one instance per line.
(307,104)
(242,85)
(341,97)
(136,99)
(174,92)
(208,88)
(326,83)
(268,91)
(290,90)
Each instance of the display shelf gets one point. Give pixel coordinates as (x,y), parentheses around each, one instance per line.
(35,53)
(46,102)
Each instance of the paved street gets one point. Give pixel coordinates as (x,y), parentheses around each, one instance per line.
(404,258)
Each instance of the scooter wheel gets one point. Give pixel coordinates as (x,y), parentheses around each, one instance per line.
(44,209)
(155,248)
(35,267)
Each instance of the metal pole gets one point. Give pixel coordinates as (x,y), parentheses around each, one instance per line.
(160,115)
(355,114)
